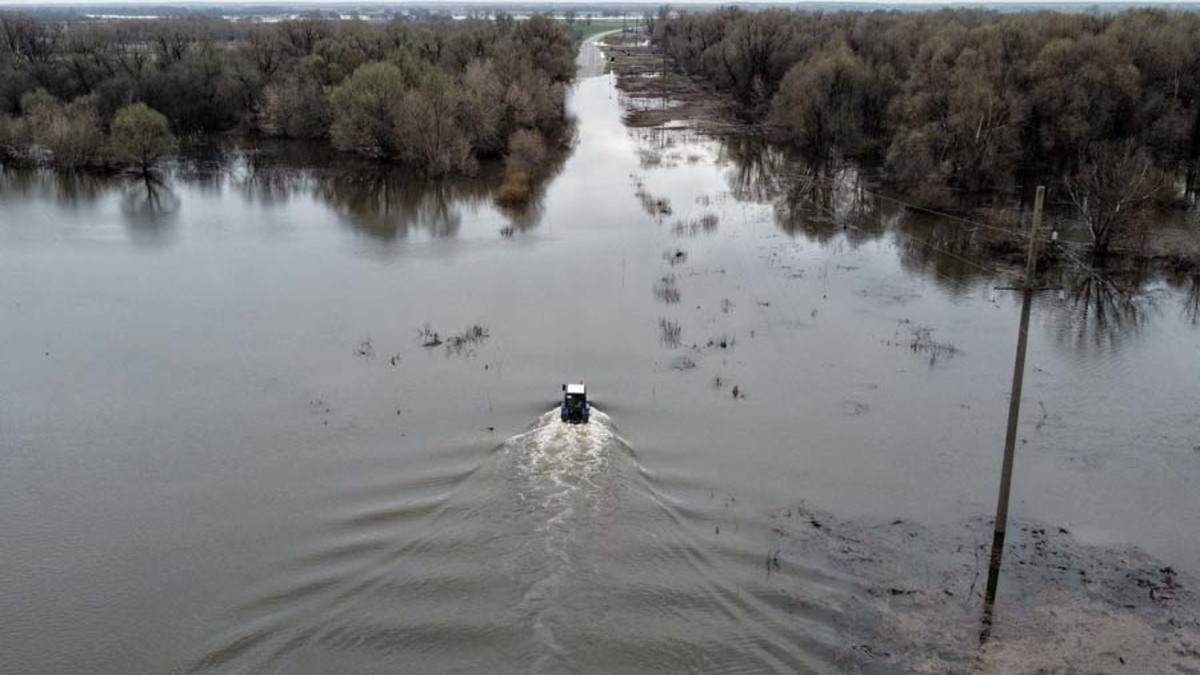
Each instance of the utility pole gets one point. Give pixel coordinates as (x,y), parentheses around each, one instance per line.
(1014,413)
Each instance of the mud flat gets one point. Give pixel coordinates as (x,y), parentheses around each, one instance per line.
(656,94)
(1063,606)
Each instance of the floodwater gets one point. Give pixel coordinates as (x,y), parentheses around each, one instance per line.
(225,447)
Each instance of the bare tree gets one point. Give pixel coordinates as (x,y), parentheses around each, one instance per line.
(295,106)
(265,50)
(1112,190)
(302,35)
(171,42)
(88,55)
(27,40)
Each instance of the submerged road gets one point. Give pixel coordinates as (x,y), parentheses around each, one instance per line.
(591,58)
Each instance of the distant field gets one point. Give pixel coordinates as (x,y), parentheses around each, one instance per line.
(584,31)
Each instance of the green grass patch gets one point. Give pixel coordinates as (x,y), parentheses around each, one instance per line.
(584,31)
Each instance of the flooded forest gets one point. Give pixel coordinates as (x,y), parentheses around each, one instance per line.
(290,304)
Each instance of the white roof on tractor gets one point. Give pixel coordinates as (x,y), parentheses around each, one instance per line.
(575,389)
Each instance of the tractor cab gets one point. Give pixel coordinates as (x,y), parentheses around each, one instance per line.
(575,408)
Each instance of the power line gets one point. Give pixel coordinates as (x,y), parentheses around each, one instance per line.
(1071,256)
(831,183)
(934,270)
(947,216)
(928,244)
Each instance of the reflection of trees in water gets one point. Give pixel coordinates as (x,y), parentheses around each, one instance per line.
(384,201)
(388,204)
(1102,307)
(954,275)
(271,186)
(271,172)
(818,199)
(79,189)
(149,207)
(829,201)
(1191,300)
(526,216)
(265,182)
(18,183)
(523,217)
(381,200)
(203,166)
(74,189)
(952,253)
(756,168)
(1186,277)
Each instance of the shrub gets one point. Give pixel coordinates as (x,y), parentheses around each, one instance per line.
(516,189)
(140,136)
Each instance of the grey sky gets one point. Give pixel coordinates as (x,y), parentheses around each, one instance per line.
(211,3)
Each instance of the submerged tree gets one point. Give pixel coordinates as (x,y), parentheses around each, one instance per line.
(1112,190)
(141,137)
(68,134)
(481,109)
(428,129)
(526,155)
(295,107)
(819,105)
(956,102)
(433,94)
(365,108)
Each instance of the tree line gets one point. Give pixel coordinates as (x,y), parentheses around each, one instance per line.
(437,95)
(1106,106)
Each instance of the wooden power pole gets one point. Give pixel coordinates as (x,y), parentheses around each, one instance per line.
(1014,413)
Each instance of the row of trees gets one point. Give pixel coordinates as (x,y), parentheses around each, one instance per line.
(436,95)
(966,101)
(70,135)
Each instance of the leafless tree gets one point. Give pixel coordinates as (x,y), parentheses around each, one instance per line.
(1112,190)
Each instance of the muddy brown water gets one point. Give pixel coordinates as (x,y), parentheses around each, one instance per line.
(224,447)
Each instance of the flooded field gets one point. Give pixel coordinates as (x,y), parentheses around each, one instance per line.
(282,414)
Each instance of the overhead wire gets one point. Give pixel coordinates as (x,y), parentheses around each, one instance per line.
(928,244)
(948,216)
(953,281)
(1080,264)
(934,212)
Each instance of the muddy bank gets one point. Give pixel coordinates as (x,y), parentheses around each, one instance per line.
(1063,607)
(655,93)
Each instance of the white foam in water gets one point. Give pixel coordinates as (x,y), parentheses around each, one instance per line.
(556,459)
(558,469)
